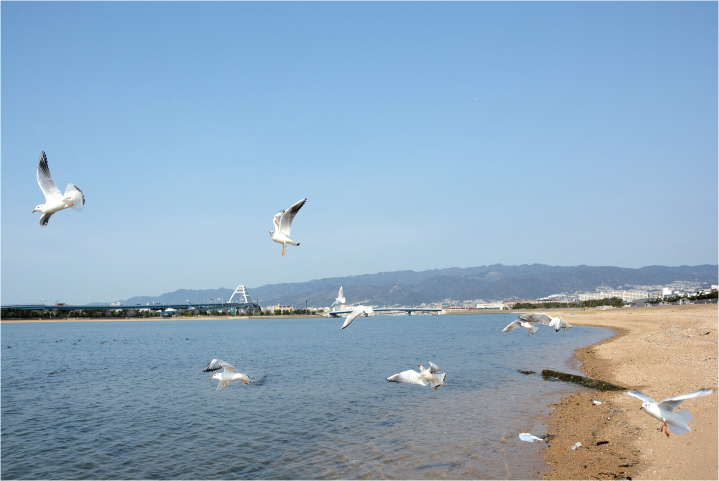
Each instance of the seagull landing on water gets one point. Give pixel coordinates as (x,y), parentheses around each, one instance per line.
(663,410)
(556,322)
(340,297)
(54,200)
(358,311)
(283,224)
(228,375)
(531,329)
(423,377)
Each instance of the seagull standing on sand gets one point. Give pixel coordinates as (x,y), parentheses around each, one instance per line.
(663,410)
(423,377)
(358,311)
(340,297)
(283,224)
(54,200)
(228,375)
(556,322)
(531,329)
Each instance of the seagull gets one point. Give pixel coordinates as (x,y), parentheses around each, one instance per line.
(531,329)
(663,410)
(54,200)
(556,322)
(356,312)
(283,224)
(340,297)
(422,377)
(228,375)
(529,438)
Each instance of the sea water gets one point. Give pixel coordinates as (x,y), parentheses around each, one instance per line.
(129,400)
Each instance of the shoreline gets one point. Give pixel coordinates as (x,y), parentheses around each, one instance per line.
(663,351)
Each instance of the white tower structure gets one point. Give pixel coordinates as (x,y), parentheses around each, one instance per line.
(244,295)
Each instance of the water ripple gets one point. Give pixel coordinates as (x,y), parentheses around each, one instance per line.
(318,406)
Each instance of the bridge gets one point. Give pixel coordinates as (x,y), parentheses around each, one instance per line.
(244,303)
(406,310)
(153,307)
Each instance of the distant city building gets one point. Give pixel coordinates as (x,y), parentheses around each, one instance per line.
(491,305)
(278,308)
(625,295)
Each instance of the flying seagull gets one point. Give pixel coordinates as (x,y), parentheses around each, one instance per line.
(54,200)
(531,329)
(340,297)
(556,322)
(423,377)
(664,410)
(358,311)
(283,224)
(228,375)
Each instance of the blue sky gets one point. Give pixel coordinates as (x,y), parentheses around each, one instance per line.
(424,135)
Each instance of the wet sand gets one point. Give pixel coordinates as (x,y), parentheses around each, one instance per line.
(664,352)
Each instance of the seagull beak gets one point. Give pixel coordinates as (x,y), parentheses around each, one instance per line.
(34,211)
(641,407)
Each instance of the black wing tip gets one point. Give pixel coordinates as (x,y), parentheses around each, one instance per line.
(43,163)
(210,368)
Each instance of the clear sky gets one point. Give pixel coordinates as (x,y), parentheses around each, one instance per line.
(424,135)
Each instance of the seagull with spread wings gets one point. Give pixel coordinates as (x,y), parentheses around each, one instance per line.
(340,297)
(531,329)
(356,312)
(283,224)
(54,200)
(424,376)
(664,410)
(541,318)
(229,373)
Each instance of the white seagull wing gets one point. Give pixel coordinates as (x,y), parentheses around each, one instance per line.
(76,197)
(216,364)
(276,221)
(44,219)
(640,395)
(670,404)
(433,368)
(222,385)
(409,376)
(288,215)
(512,326)
(541,318)
(44,179)
(353,315)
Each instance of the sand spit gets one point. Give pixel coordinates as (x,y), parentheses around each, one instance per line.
(664,351)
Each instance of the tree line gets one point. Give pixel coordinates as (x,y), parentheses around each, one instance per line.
(612,301)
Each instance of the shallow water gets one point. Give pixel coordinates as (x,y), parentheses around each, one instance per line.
(129,400)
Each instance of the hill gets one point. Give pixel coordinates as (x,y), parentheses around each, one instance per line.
(457,284)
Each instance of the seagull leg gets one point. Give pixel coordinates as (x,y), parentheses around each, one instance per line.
(666,429)
(284,249)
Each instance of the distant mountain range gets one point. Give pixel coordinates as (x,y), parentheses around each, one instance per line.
(406,288)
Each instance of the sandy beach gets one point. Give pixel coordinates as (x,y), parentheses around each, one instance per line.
(664,352)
